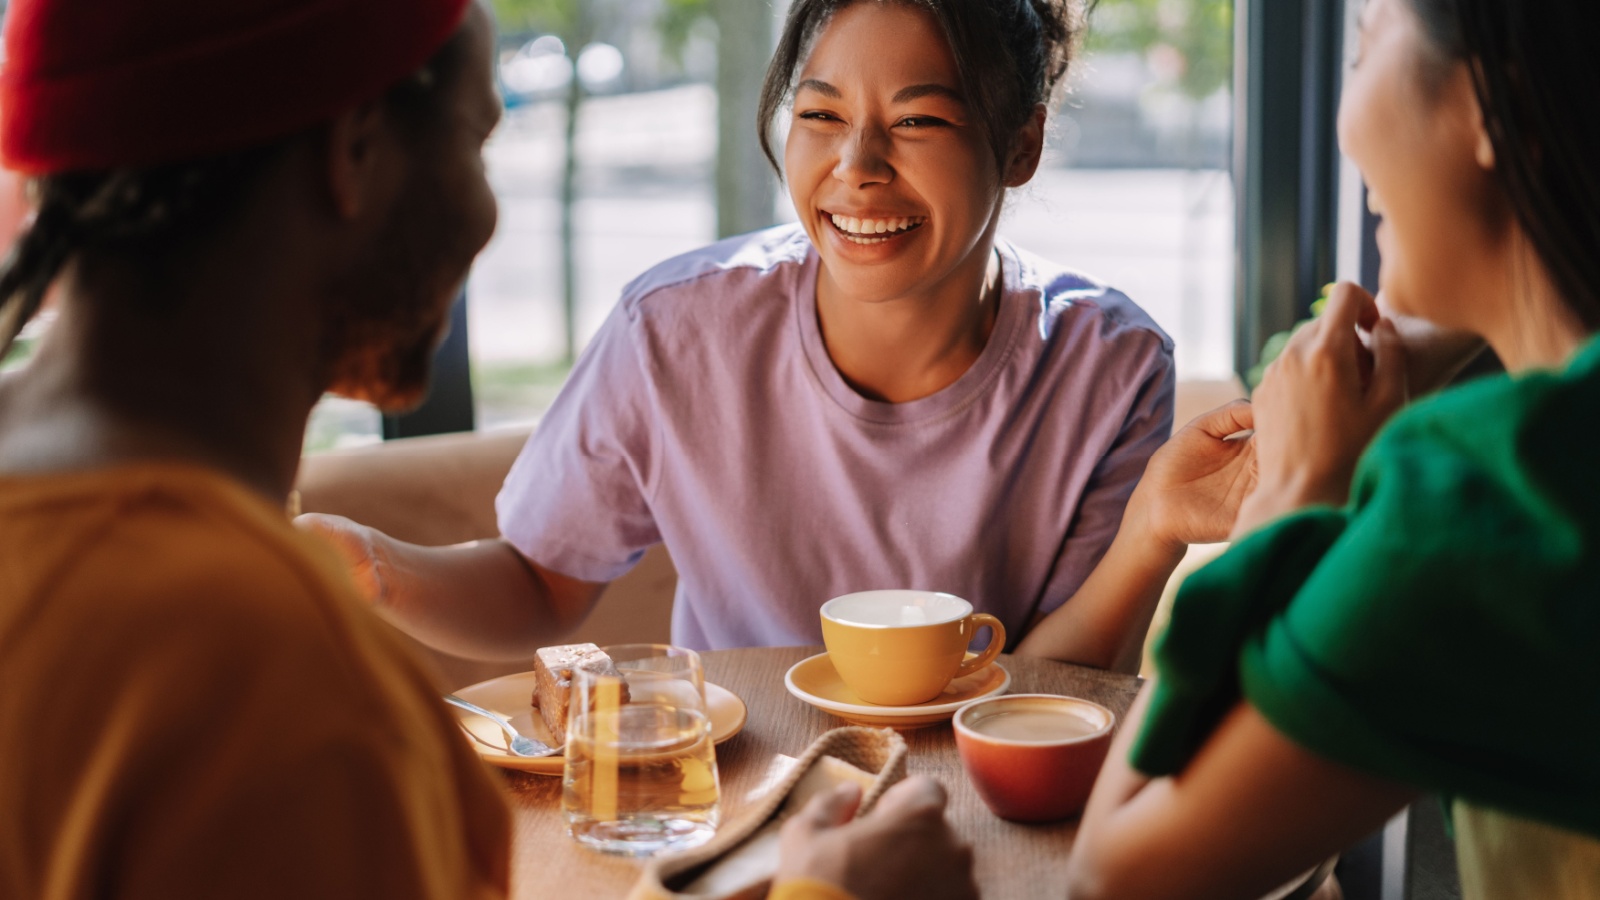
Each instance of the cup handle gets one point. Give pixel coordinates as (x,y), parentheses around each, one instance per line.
(996,644)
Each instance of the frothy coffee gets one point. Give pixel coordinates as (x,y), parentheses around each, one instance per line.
(1034,725)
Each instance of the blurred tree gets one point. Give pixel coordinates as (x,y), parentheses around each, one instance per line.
(1193,36)
(677,22)
(745,186)
(574,21)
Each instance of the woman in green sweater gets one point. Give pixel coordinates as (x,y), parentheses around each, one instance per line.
(1421,615)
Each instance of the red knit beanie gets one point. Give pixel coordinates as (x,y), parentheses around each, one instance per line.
(100,84)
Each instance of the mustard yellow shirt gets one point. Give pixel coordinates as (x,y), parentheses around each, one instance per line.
(193,703)
(808,889)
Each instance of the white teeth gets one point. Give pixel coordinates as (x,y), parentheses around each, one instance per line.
(853,226)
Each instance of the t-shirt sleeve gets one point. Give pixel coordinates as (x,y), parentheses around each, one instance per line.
(577,500)
(1145,427)
(1439,631)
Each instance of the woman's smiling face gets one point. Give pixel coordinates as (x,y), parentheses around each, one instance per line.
(1410,123)
(889,171)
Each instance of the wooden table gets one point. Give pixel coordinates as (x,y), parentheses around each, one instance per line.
(1013,861)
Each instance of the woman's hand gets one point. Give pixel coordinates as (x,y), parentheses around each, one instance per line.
(1192,488)
(1320,404)
(903,848)
(358,546)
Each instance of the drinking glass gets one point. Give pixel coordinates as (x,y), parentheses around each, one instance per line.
(641,772)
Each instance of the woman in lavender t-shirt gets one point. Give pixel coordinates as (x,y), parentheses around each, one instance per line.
(884,395)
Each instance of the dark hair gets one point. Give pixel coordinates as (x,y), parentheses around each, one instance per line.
(1536,77)
(148,213)
(1010,55)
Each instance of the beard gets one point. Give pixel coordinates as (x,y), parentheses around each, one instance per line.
(393,306)
(386,364)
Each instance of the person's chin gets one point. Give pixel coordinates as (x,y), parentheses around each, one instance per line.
(396,383)
(391,400)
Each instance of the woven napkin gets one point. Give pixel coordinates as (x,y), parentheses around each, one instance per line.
(738,864)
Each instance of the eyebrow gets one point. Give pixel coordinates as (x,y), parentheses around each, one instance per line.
(904,95)
(918,91)
(821,87)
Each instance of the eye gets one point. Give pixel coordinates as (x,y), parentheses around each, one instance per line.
(920,122)
(818,116)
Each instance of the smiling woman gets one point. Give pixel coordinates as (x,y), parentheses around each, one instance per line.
(1389,591)
(884,395)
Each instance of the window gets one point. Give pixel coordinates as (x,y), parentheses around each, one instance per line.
(1135,187)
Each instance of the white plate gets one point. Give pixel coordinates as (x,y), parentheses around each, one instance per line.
(512,696)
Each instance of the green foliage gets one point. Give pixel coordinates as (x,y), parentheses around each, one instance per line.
(514,391)
(1196,35)
(19,354)
(1274,345)
(578,18)
(677,22)
(554,16)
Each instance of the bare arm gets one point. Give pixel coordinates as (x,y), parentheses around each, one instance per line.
(481,600)
(1250,812)
(1190,494)
(1103,624)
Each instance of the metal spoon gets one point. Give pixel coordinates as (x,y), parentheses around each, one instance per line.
(521,745)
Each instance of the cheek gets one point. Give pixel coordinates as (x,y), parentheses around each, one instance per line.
(1357,112)
(961,182)
(488,213)
(471,202)
(806,159)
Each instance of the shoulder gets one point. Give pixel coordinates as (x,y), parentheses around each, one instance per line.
(1070,299)
(205,575)
(733,268)
(1531,436)
(1084,325)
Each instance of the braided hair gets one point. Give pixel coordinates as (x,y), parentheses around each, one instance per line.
(123,211)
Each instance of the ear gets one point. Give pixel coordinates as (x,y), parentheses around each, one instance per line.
(1482,145)
(1483,149)
(1026,149)
(353,139)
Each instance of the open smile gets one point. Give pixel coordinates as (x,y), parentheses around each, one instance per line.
(873,231)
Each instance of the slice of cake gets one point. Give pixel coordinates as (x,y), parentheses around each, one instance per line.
(552,675)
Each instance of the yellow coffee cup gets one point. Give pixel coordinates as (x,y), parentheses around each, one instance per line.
(899,648)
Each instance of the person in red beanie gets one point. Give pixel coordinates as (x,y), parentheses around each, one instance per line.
(240,206)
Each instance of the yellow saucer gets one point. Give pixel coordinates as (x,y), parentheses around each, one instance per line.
(512,696)
(815,681)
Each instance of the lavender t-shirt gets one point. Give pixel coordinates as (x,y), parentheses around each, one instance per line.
(707,414)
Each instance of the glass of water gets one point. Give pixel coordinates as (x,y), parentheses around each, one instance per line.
(641,771)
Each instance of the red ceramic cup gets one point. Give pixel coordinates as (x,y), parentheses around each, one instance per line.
(1033,757)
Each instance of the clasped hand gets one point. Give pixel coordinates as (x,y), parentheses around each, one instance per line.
(1321,402)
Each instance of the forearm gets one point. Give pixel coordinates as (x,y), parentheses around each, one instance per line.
(1251,811)
(480,600)
(1105,621)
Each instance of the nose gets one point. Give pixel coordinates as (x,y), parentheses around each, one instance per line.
(863,159)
